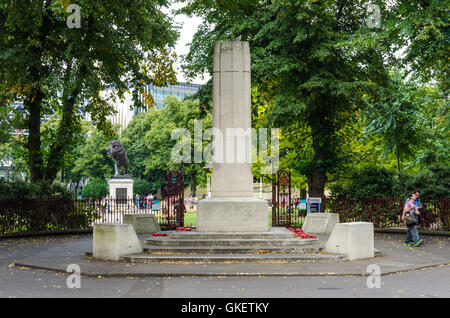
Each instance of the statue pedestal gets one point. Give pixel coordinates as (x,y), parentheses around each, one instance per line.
(121,188)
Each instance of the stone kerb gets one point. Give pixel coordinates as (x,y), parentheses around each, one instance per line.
(320,223)
(142,223)
(353,239)
(112,240)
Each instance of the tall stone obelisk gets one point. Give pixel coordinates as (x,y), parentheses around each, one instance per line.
(232,206)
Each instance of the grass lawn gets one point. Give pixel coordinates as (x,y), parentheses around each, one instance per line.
(190,219)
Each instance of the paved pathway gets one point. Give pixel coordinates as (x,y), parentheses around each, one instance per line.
(57,252)
(427,265)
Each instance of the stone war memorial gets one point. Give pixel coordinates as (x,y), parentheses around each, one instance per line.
(232,225)
(232,206)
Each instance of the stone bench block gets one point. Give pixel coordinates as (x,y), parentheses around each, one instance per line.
(142,223)
(112,240)
(320,223)
(353,239)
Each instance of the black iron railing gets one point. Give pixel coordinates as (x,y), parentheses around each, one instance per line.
(55,215)
(382,212)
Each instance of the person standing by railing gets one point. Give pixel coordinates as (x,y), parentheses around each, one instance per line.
(144,201)
(412,236)
(150,201)
(137,201)
(108,206)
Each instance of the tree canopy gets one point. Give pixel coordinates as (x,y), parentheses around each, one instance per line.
(50,66)
(324,75)
(303,66)
(347,95)
(150,142)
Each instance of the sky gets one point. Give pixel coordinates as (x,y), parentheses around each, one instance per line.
(188,28)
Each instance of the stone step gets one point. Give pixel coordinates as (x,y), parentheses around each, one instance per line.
(231,250)
(313,255)
(227,258)
(276,233)
(168,241)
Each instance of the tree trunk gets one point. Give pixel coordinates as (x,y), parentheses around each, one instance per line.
(3,18)
(317,177)
(33,103)
(397,153)
(64,137)
(194,184)
(302,194)
(62,174)
(78,184)
(66,125)
(316,183)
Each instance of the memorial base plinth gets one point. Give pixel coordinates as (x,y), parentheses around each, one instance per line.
(232,214)
(121,188)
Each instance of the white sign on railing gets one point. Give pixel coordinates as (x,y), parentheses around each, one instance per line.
(313,205)
(156,206)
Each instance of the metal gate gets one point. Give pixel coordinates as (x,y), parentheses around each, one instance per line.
(281,198)
(174,209)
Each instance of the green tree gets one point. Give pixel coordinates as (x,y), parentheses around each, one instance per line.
(49,66)
(142,187)
(395,118)
(434,125)
(135,143)
(177,114)
(149,144)
(91,159)
(311,60)
(423,28)
(95,189)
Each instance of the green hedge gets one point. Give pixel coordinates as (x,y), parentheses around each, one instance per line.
(373,182)
(46,215)
(21,190)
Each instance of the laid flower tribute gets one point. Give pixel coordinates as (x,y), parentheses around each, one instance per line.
(186,229)
(299,233)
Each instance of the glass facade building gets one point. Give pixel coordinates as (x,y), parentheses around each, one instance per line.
(179,90)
